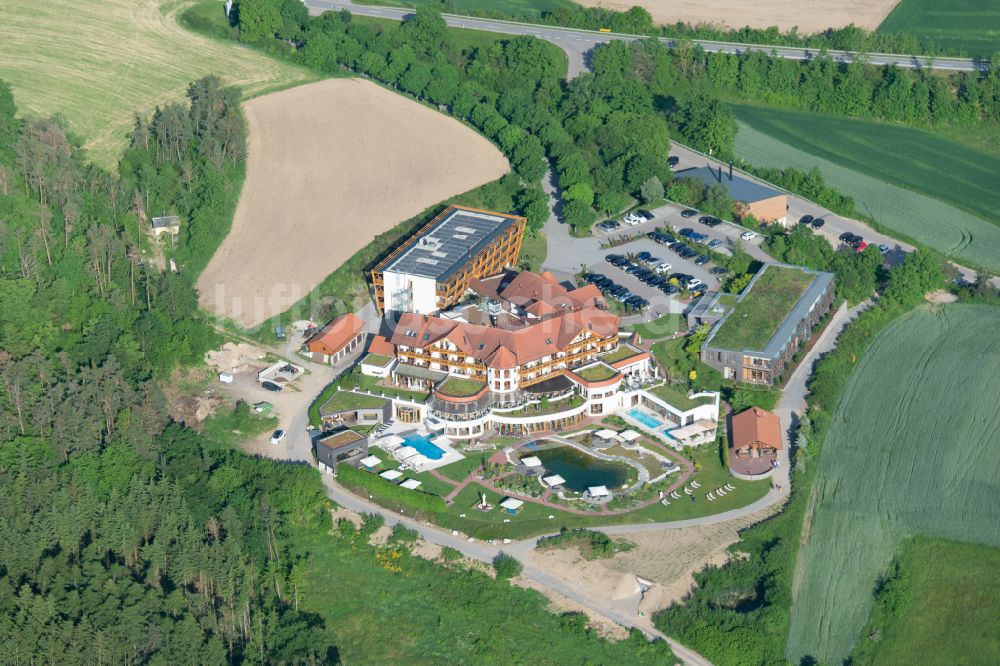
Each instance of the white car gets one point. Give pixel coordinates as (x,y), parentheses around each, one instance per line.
(748,235)
(277,436)
(692,283)
(663,268)
(630,221)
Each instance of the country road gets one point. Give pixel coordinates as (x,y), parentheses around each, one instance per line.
(577,43)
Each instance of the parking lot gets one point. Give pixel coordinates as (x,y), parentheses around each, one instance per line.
(669,219)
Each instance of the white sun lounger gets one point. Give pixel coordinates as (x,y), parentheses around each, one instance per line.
(695,485)
(711,497)
(687,491)
(730,487)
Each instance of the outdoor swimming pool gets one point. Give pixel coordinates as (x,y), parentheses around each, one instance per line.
(424,445)
(645,419)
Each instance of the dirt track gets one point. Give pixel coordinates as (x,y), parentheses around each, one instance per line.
(331,165)
(809,15)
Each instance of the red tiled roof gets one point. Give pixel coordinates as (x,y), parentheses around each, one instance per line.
(334,336)
(757,427)
(381,346)
(539,294)
(529,343)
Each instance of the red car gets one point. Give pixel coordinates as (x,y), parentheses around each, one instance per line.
(860,247)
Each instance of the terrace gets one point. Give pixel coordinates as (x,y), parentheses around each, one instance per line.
(678,397)
(377,359)
(596,373)
(765,304)
(623,352)
(460,387)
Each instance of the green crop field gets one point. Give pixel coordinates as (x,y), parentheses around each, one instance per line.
(910,158)
(526,9)
(922,459)
(972,26)
(97,62)
(926,220)
(944,600)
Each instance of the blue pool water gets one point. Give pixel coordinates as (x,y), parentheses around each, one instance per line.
(424,445)
(644,418)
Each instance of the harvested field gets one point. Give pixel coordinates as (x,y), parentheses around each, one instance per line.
(98,62)
(809,15)
(922,459)
(331,165)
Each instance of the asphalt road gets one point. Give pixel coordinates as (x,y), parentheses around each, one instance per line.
(577,43)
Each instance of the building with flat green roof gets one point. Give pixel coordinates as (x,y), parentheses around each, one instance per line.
(772,318)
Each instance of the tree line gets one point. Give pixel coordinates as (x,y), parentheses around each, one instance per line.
(123,536)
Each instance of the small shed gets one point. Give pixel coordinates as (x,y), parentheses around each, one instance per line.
(226,377)
(168,224)
(531,461)
(391,474)
(598,492)
(553,481)
(410,484)
(512,505)
(370,462)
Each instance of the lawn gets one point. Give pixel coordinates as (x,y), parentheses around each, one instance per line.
(946,594)
(921,459)
(666,325)
(98,62)
(461,387)
(344,400)
(430,483)
(678,364)
(970,26)
(534,249)
(915,185)
(755,319)
(386,606)
(457,471)
(677,396)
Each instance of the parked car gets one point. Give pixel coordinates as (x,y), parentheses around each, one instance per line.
(846,236)
(646,215)
(688,213)
(612,258)
(652,261)
(608,226)
(748,235)
(692,282)
(685,232)
(861,247)
(663,267)
(710,221)
(714,243)
(643,256)
(884,249)
(270,386)
(277,436)
(806,219)
(702,260)
(719,270)
(669,289)
(818,223)
(673,160)
(688,253)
